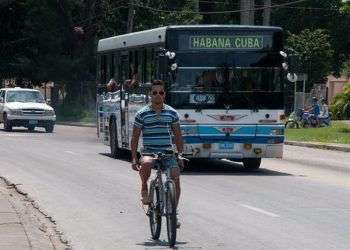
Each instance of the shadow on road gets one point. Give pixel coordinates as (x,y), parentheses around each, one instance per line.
(214,167)
(159,243)
(24,131)
(126,157)
(221,167)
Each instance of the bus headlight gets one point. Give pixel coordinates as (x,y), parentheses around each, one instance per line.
(276,132)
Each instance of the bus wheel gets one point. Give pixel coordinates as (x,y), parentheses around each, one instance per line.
(251,163)
(113,140)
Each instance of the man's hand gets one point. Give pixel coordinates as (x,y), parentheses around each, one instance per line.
(135,165)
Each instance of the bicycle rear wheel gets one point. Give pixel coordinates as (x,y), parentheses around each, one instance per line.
(154,211)
(170,208)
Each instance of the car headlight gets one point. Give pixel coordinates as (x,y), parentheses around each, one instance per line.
(49,112)
(16,112)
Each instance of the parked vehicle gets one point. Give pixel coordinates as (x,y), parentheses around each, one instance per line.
(305,119)
(21,107)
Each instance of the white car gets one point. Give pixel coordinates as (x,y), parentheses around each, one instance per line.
(21,107)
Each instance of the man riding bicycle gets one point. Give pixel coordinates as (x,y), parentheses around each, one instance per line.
(157,122)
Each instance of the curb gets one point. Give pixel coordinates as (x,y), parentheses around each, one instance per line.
(319,146)
(77,124)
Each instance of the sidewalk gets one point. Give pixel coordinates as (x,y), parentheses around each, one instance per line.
(12,233)
(22,226)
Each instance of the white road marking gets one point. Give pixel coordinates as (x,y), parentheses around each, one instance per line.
(70,152)
(259,210)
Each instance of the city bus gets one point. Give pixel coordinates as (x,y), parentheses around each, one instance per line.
(225,81)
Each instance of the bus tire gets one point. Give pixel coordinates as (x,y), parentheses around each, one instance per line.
(113,139)
(251,163)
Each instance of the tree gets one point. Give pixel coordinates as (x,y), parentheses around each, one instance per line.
(315,51)
(340,106)
(330,15)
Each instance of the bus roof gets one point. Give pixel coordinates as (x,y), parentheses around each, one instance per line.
(155,36)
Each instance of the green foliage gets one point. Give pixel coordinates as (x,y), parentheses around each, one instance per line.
(319,14)
(340,107)
(345,69)
(74,111)
(315,51)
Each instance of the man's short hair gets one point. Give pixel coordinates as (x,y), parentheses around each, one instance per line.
(158,83)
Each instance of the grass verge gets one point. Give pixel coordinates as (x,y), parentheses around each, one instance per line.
(339,132)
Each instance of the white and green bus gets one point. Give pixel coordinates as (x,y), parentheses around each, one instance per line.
(226,82)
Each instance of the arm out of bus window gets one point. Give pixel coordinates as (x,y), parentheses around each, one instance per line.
(134,144)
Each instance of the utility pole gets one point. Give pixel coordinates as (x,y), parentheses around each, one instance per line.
(247,14)
(130,24)
(267,13)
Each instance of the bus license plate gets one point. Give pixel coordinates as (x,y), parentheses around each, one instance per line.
(33,122)
(226,145)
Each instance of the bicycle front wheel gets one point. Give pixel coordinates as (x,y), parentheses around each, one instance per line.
(170,207)
(154,211)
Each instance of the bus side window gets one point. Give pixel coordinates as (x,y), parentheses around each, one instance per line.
(103,69)
(155,71)
(111,66)
(116,66)
(148,66)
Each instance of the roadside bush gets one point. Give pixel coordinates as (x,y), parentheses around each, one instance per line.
(75,112)
(340,107)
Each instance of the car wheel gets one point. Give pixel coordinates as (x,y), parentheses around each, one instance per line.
(49,128)
(7,123)
(31,128)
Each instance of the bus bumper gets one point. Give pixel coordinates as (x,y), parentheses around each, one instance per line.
(233,150)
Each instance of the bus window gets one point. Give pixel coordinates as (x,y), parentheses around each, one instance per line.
(148,66)
(116,67)
(111,65)
(103,69)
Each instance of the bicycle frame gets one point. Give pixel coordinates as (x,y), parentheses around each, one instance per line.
(161,182)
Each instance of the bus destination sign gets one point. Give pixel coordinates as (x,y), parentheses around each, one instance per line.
(226,42)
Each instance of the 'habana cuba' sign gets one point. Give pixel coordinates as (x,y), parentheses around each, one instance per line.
(226,42)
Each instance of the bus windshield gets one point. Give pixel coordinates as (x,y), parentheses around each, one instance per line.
(239,80)
(227,79)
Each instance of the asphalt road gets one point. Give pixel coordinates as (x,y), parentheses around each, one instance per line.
(300,202)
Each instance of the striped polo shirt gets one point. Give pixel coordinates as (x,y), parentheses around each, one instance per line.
(156,130)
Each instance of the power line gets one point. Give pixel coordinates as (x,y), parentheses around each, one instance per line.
(220,12)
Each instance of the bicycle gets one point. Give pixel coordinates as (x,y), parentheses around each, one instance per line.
(162,198)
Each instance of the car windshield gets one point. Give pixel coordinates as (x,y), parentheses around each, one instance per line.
(24,96)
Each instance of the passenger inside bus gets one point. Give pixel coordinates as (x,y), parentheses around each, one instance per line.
(112,86)
(133,82)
